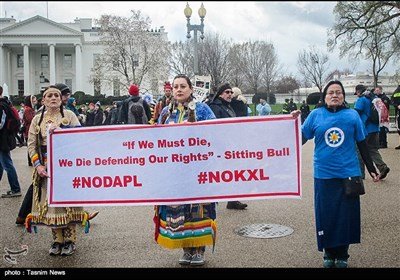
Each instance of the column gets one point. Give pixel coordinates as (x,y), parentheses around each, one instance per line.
(27,88)
(7,74)
(52,63)
(2,66)
(78,66)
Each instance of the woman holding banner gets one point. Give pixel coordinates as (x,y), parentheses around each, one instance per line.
(61,220)
(337,131)
(189,226)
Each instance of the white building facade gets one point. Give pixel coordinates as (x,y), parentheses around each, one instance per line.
(38,52)
(349,83)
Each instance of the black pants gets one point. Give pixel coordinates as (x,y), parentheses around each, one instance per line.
(340,253)
(26,206)
(383,136)
(20,139)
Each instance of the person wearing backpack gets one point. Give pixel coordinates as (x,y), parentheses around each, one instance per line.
(7,144)
(363,107)
(133,109)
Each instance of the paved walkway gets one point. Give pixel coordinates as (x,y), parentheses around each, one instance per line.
(122,237)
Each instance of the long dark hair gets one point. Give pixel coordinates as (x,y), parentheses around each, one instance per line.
(191,112)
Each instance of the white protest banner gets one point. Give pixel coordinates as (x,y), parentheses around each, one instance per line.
(215,160)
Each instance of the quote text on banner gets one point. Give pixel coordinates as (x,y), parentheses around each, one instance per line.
(216,160)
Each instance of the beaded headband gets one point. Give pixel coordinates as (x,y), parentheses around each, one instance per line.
(51,89)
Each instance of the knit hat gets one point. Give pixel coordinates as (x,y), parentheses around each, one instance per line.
(222,88)
(167,85)
(98,103)
(134,90)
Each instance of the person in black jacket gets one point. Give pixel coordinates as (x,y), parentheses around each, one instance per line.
(221,106)
(395,99)
(123,117)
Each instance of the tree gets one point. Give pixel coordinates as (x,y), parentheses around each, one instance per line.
(271,68)
(236,76)
(286,84)
(314,98)
(312,66)
(213,59)
(335,74)
(367,29)
(131,51)
(251,59)
(180,58)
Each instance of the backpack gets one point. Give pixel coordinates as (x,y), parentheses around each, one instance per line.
(136,114)
(378,111)
(13,121)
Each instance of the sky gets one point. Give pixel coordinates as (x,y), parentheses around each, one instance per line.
(290,26)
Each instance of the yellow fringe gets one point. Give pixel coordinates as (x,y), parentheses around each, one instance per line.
(59,219)
(190,242)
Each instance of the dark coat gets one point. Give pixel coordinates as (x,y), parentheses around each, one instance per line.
(222,109)
(98,117)
(239,107)
(7,139)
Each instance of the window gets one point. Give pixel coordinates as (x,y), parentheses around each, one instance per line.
(97,87)
(68,82)
(135,60)
(45,61)
(68,61)
(20,61)
(115,63)
(116,87)
(21,89)
(96,58)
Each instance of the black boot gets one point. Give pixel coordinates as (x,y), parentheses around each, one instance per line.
(236,205)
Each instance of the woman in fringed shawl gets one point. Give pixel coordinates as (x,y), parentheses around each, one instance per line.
(62,220)
(189,226)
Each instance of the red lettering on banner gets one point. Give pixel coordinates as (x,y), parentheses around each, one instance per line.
(228,176)
(278,153)
(64,162)
(106,181)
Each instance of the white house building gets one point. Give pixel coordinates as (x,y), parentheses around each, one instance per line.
(37,52)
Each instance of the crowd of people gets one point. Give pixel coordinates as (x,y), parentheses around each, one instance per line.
(338,132)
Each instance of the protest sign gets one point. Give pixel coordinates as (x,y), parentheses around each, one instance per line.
(215,160)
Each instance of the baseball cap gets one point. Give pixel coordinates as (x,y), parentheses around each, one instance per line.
(360,88)
(63,88)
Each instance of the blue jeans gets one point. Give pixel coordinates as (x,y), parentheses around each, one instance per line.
(7,164)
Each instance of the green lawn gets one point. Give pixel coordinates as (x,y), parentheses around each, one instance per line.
(277,109)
